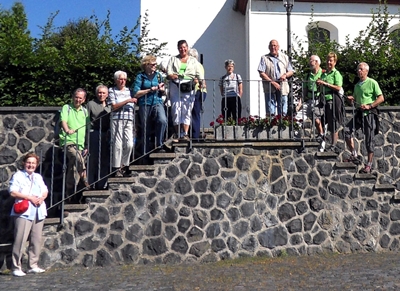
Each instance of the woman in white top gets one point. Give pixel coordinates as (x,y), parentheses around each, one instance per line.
(26,184)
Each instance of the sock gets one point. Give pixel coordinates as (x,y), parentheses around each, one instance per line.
(369,164)
(354,153)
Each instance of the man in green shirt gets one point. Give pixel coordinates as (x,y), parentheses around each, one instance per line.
(74,118)
(312,107)
(367,96)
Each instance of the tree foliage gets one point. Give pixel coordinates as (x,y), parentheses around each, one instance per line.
(83,53)
(374,45)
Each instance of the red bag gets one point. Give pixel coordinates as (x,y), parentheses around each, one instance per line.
(21,206)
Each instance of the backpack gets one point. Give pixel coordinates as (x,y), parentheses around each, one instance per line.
(57,124)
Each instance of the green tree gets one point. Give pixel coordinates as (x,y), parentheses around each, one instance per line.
(83,53)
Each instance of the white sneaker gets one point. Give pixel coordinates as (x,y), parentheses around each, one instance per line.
(322,146)
(36,271)
(18,273)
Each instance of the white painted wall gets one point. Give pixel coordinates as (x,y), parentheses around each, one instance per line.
(219,33)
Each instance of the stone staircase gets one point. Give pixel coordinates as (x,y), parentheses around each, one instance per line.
(99,196)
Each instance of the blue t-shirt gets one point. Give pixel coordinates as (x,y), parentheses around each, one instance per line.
(143,82)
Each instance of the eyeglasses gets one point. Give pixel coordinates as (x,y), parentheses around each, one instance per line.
(122,79)
(155,64)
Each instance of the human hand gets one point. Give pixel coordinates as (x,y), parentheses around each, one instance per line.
(276,85)
(351,99)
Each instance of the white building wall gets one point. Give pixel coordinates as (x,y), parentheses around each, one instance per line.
(219,33)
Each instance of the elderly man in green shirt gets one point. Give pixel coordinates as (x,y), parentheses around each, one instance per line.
(74,119)
(367,96)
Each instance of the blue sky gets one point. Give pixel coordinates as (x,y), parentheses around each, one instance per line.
(123,12)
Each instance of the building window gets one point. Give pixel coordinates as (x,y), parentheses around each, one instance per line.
(395,37)
(318,35)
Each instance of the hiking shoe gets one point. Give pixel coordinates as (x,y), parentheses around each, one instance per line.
(353,159)
(366,170)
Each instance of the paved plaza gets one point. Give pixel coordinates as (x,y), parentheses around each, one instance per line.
(370,271)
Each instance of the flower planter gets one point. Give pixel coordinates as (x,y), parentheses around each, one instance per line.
(243,133)
(230,133)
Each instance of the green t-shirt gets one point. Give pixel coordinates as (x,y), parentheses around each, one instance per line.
(366,92)
(76,120)
(334,78)
(311,84)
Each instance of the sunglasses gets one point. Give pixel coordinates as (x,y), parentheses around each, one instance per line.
(155,64)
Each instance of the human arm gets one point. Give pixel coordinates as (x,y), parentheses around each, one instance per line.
(21,189)
(265,77)
(118,105)
(374,104)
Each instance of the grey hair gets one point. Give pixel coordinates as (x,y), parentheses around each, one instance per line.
(193,52)
(80,90)
(315,57)
(99,87)
(366,66)
(118,74)
(229,62)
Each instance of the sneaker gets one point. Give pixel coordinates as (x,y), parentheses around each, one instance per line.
(36,271)
(18,273)
(366,170)
(322,146)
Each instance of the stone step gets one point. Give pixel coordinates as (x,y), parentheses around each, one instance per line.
(52,221)
(121,180)
(142,168)
(326,155)
(75,207)
(365,177)
(97,196)
(345,165)
(385,187)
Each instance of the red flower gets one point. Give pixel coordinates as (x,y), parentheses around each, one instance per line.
(212,123)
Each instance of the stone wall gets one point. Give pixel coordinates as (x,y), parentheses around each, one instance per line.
(226,200)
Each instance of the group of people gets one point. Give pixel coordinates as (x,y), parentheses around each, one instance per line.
(323,99)
(111,117)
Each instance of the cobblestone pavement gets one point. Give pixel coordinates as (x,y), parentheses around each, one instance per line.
(371,271)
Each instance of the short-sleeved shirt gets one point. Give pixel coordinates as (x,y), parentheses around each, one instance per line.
(333,77)
(230,84)
(116,96)
(76,120)
(366,92)
(142,82)
(27,184)
(311,86)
